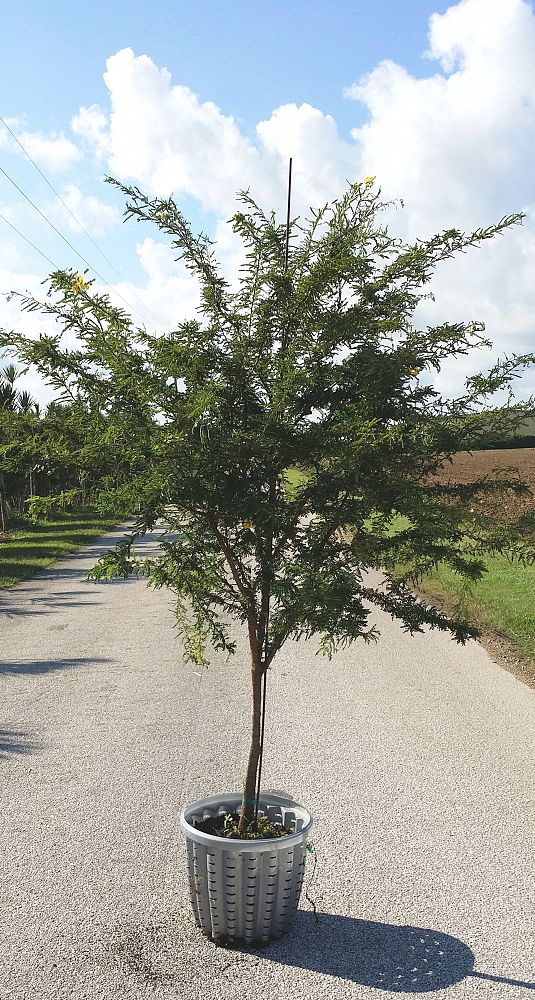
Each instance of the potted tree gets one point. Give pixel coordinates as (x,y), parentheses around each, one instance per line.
(312,363)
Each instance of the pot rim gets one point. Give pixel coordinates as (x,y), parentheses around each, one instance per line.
(231,844)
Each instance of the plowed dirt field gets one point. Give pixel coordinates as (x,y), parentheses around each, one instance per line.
(507,463)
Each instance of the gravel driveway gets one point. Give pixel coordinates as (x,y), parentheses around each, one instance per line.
(415,757)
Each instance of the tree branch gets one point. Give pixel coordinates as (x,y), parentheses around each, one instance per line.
(246,594)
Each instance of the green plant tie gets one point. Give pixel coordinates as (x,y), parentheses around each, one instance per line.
(252,801)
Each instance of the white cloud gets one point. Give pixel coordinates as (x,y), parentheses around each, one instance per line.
(11,254)
(91,124)
(95,215)
(457,144)
(168,297)
(157,260)
(29,323)
(498,288)
(171,295)
(322,162)
(53,152)
(164,138)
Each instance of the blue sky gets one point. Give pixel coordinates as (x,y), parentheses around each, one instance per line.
(437,99)
(248,57)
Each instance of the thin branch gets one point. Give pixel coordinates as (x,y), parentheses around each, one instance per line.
(246,594)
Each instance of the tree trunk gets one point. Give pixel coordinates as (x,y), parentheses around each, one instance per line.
(3,511)
(249,785)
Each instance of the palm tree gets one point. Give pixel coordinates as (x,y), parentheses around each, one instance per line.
(8,393)
(12,399)
(15,402)
(27,404)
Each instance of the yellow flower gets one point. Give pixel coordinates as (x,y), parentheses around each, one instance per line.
(248,524)
(415,371)
(78,284)
(370,180)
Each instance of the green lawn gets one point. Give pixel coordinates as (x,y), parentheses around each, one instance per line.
(25,551)
(294,477)
(503,599)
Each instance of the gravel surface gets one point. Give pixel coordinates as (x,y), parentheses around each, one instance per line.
(415,757)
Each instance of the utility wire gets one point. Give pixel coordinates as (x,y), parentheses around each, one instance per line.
(29,242)
(69,244)
(51,224)
(71,213)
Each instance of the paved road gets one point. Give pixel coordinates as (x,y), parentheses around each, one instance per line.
(415,757)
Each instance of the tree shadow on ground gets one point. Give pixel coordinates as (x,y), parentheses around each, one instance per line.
(34,580)
(13,741)
(399,959)
(28,666)
(387,957)
(66,572)
(34,573)
(45,604)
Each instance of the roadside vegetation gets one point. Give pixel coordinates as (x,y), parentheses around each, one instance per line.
(30,547)
(66,450)
(56,449)
(294,479)
(502,600)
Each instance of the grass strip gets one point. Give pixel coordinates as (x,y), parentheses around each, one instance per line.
(32,547)
(501,603)
(504,598)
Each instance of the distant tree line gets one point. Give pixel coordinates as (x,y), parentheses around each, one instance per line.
(71,448)
(523,437)
(62,449)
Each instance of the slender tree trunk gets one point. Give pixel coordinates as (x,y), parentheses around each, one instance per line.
(3,512)
(249,784)
(256,644)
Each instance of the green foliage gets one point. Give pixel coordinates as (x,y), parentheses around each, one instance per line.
(33,545)
(316,366)
(70,453)
(13,400)
(503,598)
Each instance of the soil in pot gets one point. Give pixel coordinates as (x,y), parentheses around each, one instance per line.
(226,826)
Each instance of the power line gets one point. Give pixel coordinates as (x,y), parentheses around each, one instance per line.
(71,213)
(69,244)
(29,242)
(51,224)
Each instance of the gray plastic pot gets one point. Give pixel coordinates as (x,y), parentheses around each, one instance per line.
(245,889)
